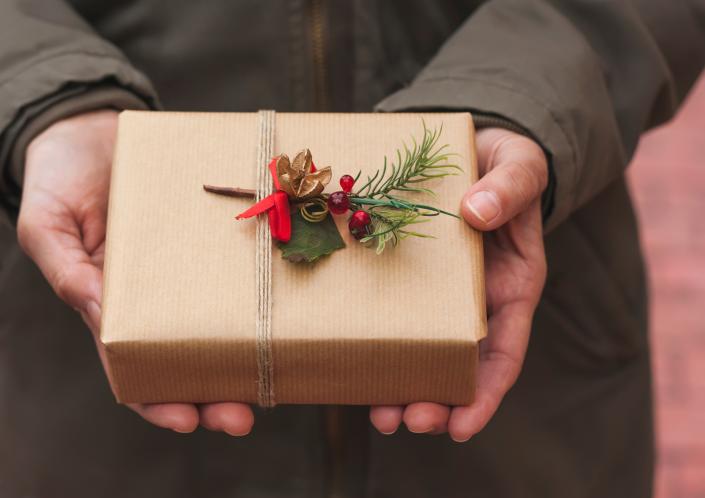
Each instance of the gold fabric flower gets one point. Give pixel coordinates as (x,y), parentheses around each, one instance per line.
(296,178)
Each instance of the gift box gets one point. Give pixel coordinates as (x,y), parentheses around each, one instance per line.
(198,307)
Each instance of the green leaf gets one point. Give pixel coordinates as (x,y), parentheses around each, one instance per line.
(309,241)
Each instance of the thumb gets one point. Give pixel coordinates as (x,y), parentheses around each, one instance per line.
(517,174)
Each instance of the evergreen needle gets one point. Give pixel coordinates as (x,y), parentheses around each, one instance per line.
(414,164)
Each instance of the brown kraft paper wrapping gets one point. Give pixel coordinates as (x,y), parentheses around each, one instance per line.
(179,302)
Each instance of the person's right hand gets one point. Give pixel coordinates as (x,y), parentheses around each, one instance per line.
(61,227)
(506,204)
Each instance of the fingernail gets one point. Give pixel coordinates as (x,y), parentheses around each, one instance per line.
(424,431)
(233,434)
(484,205)
(388,433)
(460,440)
(179,431)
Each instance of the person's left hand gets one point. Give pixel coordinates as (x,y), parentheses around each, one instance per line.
(62,225)
(506,203)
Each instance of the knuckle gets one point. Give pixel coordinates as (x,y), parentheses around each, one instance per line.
(537,164)
(539,167)
(502,143)
(521,182)
(533,159)
(62,283)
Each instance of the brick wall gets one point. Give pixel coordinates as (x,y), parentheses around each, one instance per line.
(668,183)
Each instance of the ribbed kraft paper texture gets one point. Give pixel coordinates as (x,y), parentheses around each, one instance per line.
(179,300)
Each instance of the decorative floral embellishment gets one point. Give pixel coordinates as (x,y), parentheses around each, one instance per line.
(380,216)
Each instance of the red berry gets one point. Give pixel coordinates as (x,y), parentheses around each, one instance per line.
(338,202)
(359,224)
(346,183)
(360,218)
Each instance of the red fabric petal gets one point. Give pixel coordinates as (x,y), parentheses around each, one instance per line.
(280,218)
(273,171)
(277,208)
(260,207)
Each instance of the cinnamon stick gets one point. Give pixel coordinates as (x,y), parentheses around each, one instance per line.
(230,191)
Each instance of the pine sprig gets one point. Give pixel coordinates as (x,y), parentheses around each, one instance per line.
(392,216)
(424,161)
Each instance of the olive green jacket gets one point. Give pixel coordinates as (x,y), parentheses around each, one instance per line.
(582,77)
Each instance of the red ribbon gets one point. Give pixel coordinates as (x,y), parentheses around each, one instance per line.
(276,206)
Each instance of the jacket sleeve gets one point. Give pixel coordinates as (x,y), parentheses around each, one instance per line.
(53,65)
(584,78)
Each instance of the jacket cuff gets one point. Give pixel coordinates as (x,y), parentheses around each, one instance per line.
(68,81)
(37,117)
(501,104)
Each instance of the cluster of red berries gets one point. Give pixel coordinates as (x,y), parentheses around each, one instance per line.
(339,203)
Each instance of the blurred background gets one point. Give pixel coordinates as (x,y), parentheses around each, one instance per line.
(668,185)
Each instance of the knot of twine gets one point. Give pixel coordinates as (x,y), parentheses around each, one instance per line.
(263,264)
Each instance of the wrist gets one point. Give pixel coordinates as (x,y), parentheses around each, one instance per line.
(62,112)
(96,121)
(90,131)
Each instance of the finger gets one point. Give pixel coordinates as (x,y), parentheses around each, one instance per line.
(59,253)
(235,419)
(516,175)
(501,357)
(386,419)
(91,316)
(179,417)
(426,418)
(57,249)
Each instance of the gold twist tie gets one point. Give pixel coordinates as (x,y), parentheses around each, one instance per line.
(314,210)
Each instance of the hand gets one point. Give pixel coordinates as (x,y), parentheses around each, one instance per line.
(62,228)
(506,202)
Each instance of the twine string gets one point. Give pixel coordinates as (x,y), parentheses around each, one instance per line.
(263,263)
